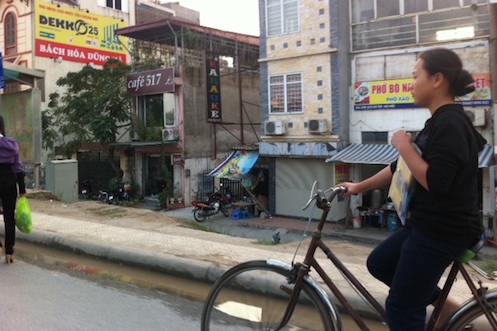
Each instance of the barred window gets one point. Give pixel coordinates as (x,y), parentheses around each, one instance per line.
(393,23)
(285,93)
(282,16)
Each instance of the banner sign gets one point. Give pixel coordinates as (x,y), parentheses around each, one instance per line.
(178,159)
(151,82)
(213,89)
(75,35)
(236,166)
(482,95)
(396,93)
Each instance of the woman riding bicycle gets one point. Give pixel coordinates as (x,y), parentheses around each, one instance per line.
(443,215)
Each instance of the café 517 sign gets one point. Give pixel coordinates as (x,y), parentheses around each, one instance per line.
(151,82)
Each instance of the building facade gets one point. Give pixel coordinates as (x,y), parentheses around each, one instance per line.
(50,39)
(305,112)
(365,79)
(212,108)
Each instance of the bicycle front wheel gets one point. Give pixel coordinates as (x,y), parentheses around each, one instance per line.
(254,296)
(471,317)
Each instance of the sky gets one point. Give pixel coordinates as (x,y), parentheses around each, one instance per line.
(241,16)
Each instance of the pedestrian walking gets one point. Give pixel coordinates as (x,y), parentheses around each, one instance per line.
(443,217)
(11,176)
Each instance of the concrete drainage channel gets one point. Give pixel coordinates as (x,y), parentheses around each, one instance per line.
(91,268)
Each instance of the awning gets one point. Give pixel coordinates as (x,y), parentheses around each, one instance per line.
(236,166)
(366,154)
(486,156)
(386,154)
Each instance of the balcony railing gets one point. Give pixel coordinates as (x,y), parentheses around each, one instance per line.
(429,27)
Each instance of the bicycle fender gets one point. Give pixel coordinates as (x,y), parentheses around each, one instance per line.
(335,317)
(467,306)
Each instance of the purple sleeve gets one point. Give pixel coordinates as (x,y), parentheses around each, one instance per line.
(17,166)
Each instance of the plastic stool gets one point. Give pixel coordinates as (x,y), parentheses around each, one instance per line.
(236,215)
(245,214)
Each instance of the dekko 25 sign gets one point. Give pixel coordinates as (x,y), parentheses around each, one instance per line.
(75,35)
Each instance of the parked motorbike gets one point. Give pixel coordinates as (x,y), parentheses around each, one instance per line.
(104,196)
(86,190)
(215,203)
(122,193)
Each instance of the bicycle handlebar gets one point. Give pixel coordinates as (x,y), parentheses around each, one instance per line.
(320,195)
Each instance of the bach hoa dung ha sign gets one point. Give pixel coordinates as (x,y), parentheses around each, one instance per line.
(213,89)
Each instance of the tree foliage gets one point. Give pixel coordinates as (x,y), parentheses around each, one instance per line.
(93,107)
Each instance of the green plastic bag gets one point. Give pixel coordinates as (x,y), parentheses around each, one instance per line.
(23,215)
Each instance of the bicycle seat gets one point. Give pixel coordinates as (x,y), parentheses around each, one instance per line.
(470,252)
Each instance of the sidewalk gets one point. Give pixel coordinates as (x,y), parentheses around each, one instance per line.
(204,256)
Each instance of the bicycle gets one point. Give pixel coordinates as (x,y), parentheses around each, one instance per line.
(272,295)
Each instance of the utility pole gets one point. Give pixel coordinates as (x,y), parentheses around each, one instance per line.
(492,47)
(492,55)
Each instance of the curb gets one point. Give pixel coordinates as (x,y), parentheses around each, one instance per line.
(170,264)
(197,270)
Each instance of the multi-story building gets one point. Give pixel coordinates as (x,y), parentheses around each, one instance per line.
(47,39)
(210,106)
(44,40)
(304,97)
(349,64)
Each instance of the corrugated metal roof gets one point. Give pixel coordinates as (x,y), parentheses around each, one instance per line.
(366,154)
(486,156)
(386,154)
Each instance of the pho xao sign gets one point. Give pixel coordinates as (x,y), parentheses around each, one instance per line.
(396,93)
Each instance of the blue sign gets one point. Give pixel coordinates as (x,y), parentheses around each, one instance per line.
(2,77)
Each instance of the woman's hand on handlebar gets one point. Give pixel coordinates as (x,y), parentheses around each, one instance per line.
(352,189)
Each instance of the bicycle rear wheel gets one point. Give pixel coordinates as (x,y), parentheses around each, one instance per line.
(252,296)
(471,318)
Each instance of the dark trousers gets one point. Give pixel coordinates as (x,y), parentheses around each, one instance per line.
(8,194)
(411,264)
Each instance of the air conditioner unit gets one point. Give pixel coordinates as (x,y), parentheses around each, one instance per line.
(477,116)
(317,126)
(274,128)
(169,134)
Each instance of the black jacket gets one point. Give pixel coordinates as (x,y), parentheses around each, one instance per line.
(449,210)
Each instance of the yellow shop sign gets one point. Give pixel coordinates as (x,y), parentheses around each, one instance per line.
(70,34)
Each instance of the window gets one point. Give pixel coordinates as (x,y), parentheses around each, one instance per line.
(151,110)
(116,4)
(372,137)
(415,6)
(387,8)
(282,16)
(170,109)
(121,5)
(441,4)
(285,93)
(10,34)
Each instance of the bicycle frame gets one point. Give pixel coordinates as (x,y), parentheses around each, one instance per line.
(310,262)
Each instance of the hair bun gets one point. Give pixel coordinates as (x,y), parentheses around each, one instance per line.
(464,84)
